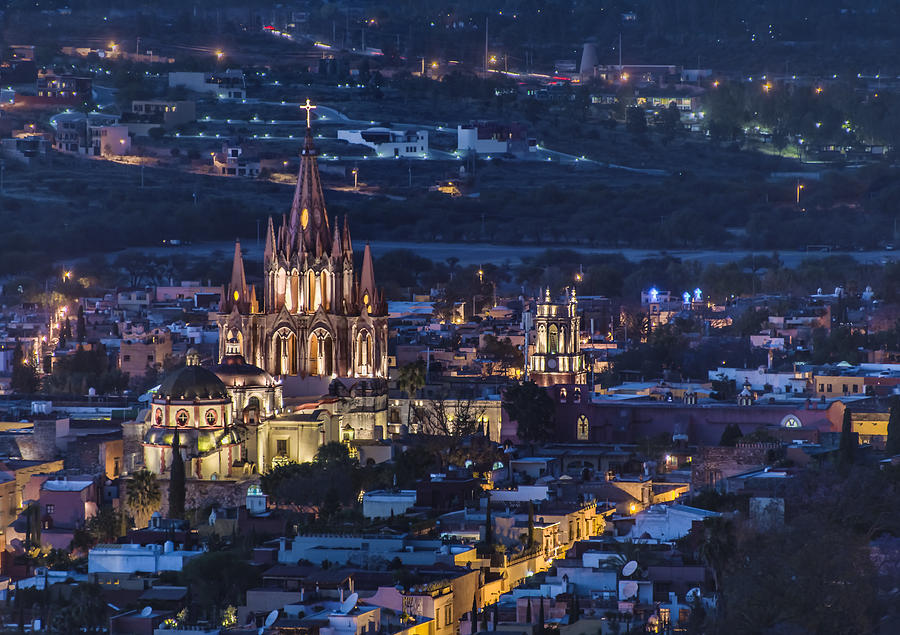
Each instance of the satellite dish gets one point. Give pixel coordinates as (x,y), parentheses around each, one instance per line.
(629,568)
(270,618)
(629,589)
(148,610)
(693,594)
(350,603)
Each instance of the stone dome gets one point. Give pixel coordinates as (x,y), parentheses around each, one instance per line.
(235,371)
(191,383)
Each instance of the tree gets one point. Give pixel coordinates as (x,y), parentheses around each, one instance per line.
(411,379)
(670,120)
(892,446)
(24,378)
(847,448)
(333,454)
(532,408)
(635,120)
(176,480)
(218,579)
(730,435)
(453,419)
(81,324)
(142,496)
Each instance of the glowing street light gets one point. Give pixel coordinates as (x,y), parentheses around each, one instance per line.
(800,186)
(67,275)
(355,173)
(219,55)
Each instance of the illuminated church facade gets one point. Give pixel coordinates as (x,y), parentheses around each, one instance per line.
(318,316)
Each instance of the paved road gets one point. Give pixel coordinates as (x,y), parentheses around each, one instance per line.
(482,253)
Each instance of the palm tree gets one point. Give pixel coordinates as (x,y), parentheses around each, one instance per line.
(143,496)
(411,380)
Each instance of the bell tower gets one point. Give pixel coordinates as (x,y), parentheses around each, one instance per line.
(557,356)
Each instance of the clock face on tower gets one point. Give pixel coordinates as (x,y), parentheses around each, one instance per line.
(551,364)
(304,218)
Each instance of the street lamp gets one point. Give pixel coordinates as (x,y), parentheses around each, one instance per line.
(800,186)
(219,55)
(66,275)
(355,173)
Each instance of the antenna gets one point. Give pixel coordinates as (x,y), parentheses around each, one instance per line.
(350,603)
(629,568)
(148,610)
(270,618)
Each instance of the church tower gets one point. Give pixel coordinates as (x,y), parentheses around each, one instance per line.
(557,356)
(317,318)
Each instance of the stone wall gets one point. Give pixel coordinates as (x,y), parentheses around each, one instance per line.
(714,464)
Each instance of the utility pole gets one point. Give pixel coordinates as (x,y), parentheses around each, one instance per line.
(620,52)
(485,45)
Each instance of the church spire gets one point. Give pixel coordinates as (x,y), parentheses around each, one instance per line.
(308,219)
(367,282)
(237,289)
(269,251)
(347,246)
(336,243)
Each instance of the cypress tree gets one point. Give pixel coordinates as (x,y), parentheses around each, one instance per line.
(488,523)
(847,449)
(528,611)
(81,326)
(530,524)
(541,616)
(496,614)
(176,481)
(892,445)
(474,609)
(484,619)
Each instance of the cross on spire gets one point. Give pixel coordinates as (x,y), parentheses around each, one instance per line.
(308,108)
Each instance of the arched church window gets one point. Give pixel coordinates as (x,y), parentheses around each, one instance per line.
(553,340)
(211,417)
(158,416)
(562,395)
(182,417)
(576,395)
(364,353)
(582,428)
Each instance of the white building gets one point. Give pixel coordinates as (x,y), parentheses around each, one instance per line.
(664,523)
(521,494)
(94,134)
(225,85)
(137,558)
(494,138)
(389,143)
(384,504)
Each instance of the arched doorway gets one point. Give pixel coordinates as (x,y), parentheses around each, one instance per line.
(252,410)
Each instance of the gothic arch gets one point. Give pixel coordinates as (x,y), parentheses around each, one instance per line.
(320,352)
(553,340)
(582,428)
(285,353)
(365,352)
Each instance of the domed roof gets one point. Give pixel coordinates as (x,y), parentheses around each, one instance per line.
(234,371)
(192,382)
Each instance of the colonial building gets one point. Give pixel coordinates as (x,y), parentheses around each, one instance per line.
(318,317)
(557,356)
(195,402)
